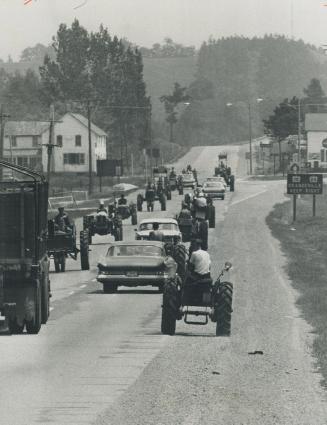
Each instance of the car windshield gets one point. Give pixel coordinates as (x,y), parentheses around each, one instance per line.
(162,226)
(134,250)
(188,177)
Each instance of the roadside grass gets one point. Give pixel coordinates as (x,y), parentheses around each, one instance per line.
(305,245)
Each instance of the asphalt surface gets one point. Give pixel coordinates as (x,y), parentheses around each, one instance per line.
(101,358)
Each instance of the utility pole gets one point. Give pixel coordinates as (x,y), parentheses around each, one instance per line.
(90,146)
(50,145)
(3,116)
(299,133)
(250,135)
(150,141)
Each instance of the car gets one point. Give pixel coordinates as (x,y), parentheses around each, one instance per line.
(168,226)
(189,180)
(214,189)
(217,179)
(136,263)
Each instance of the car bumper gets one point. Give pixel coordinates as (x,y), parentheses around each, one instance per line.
(140,280)
(189,184)
(214,194)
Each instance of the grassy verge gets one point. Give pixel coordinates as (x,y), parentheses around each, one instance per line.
(305,245)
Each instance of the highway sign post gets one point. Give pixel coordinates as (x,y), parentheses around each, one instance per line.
(304,184)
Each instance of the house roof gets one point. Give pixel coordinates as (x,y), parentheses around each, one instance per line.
(25,128)
(83,120)
(316,122)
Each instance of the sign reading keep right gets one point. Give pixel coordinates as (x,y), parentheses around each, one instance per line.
(304,184)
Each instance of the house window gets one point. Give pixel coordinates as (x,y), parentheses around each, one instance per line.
(35,141)
(78,140)
(13,141)
(22,161)
(59,141)
(74,158)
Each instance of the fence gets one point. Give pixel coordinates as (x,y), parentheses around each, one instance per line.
(67,199)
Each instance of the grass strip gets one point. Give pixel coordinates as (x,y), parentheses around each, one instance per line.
(305,245)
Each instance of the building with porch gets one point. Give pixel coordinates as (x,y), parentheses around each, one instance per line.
(25,144)
(316,131)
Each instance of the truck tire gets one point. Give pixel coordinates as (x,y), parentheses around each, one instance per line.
(45,292)
(168,195)
(109,288)
(232,183)
(84,250)
(163,203)
(14,327)
(62,262)
(212,216)
(33,326)
(181,190)
(223,309)
(56,259)
(134,217)
(89,237)
(170,306)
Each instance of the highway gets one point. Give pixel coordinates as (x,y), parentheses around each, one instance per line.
(101,359)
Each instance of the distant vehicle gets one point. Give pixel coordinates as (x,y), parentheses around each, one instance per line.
(214,189)
(217,179)
(189,180)
(168,226)
(137,263)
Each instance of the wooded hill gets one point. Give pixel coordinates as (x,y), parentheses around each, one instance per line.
(238,71)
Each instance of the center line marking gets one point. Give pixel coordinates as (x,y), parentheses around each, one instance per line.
(83,286)
(248,197)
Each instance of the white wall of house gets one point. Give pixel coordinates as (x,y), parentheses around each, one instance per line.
(315,139)
(24,150)
(73,155)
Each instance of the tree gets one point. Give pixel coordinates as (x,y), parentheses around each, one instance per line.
(36,54)
(171,101)
(284,121)
(315,99)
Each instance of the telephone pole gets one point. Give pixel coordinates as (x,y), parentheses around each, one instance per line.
(50,146)
(90,145)
(3,116)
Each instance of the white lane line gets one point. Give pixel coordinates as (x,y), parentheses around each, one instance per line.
(71,293)
(248,197)
(82,286)
(94,280)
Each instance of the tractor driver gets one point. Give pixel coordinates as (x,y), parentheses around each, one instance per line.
(185,212)
(122,200)
(199,263)
(62,220)
(102,208)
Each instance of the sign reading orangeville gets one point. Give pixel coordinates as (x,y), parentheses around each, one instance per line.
(304,184)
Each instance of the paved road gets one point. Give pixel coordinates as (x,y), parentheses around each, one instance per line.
(101,358)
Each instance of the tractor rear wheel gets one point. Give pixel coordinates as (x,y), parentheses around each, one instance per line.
(139,202)
(223,309)
(84,250)
(180,256)
(168,195)
(203,234)
(232,183)
(163,202)
(170,306)
(212,216)
(134,217)
(45,294)
(62,263)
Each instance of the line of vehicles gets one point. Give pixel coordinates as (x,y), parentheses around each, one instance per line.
(158,256)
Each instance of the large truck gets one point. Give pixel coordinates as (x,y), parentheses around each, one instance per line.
(24,263)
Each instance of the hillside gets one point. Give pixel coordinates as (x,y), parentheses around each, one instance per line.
(239,70)
(160,74)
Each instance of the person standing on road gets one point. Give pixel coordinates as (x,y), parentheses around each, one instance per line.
(199,263)
(156,234)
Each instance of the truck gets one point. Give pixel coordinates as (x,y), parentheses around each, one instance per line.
(24,263)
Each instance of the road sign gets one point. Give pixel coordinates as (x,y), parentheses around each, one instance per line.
(304,184)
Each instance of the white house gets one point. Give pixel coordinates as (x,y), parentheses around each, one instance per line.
(25,144)
(316,129)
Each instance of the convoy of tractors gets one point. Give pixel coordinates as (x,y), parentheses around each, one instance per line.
(29,240)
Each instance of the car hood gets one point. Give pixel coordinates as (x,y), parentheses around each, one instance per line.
(213,189)
(132,263)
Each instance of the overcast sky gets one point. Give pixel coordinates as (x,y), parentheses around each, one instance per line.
(145,22)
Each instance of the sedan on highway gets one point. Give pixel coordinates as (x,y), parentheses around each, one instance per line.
(189,180)
(214,189)
(167,226)
(217,179)
(136,263)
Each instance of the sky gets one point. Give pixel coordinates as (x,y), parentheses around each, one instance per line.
(146,22)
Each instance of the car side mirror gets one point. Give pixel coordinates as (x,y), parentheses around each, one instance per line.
(228,266)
